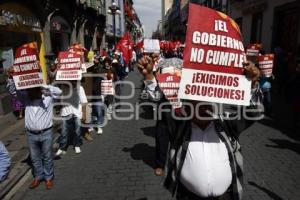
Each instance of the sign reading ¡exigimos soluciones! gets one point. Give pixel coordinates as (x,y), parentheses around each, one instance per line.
(26,68)
(69,67)
(213,59)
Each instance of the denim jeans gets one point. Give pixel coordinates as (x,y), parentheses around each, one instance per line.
(71,125)
(41,154)
(98,113)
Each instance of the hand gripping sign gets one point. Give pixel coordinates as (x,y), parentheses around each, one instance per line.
(213,59)
(69,66)
(265,63)
(26,68)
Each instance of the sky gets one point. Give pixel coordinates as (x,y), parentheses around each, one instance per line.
(149,12)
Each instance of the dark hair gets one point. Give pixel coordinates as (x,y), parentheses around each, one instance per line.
(34,93)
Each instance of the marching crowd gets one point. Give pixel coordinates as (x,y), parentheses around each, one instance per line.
(179,146)
(200,156)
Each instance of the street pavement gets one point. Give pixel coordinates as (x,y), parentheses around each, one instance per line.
(119,163)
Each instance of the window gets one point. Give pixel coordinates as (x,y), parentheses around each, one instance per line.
(256,27)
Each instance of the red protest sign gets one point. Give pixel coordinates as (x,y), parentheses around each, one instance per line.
(169,84)
(265,63)
(69,66)
(26,69)
(107,87)
(253,49)
(213,59)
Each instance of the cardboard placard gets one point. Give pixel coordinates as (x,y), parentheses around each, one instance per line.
(169,84)
(213,59)
(69,66)
(265,63)
(107,87)
(26,68)
(253,49)
(151,46)
(86,65)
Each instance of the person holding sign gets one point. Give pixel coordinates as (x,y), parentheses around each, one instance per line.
(73,112)
(155,94)
(205,161)
(192,183)
(38,103)
(111,76)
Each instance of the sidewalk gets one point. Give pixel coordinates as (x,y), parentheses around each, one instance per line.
(13,136)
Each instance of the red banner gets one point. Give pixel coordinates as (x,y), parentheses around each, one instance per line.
(125,45)
(169,84)
(213,59)
(69,66)
(265,63)
(26,69)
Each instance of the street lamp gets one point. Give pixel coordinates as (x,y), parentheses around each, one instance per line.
(113,10)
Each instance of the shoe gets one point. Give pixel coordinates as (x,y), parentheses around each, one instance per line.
(77,150)
(88,137)
(35,183)
(109,117)
(91,130)
(49,184)
(60,152)
(99,131)
(158,172)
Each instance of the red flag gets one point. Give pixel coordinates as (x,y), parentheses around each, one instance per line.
(125,46)
(140,44)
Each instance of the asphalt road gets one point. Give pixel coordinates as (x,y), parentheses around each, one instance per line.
(119,163)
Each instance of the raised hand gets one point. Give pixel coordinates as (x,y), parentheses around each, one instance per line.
(145,66)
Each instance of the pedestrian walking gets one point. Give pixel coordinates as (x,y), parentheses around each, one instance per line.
(145,66)
(98,107)
(110,73)
(73,112)
(117,67)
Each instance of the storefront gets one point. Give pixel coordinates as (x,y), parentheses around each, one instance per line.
(18,25)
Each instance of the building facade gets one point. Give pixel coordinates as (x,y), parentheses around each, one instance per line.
(53,24)
(273,23)
(175,20)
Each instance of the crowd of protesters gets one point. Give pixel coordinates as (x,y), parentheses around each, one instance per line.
(200,158)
